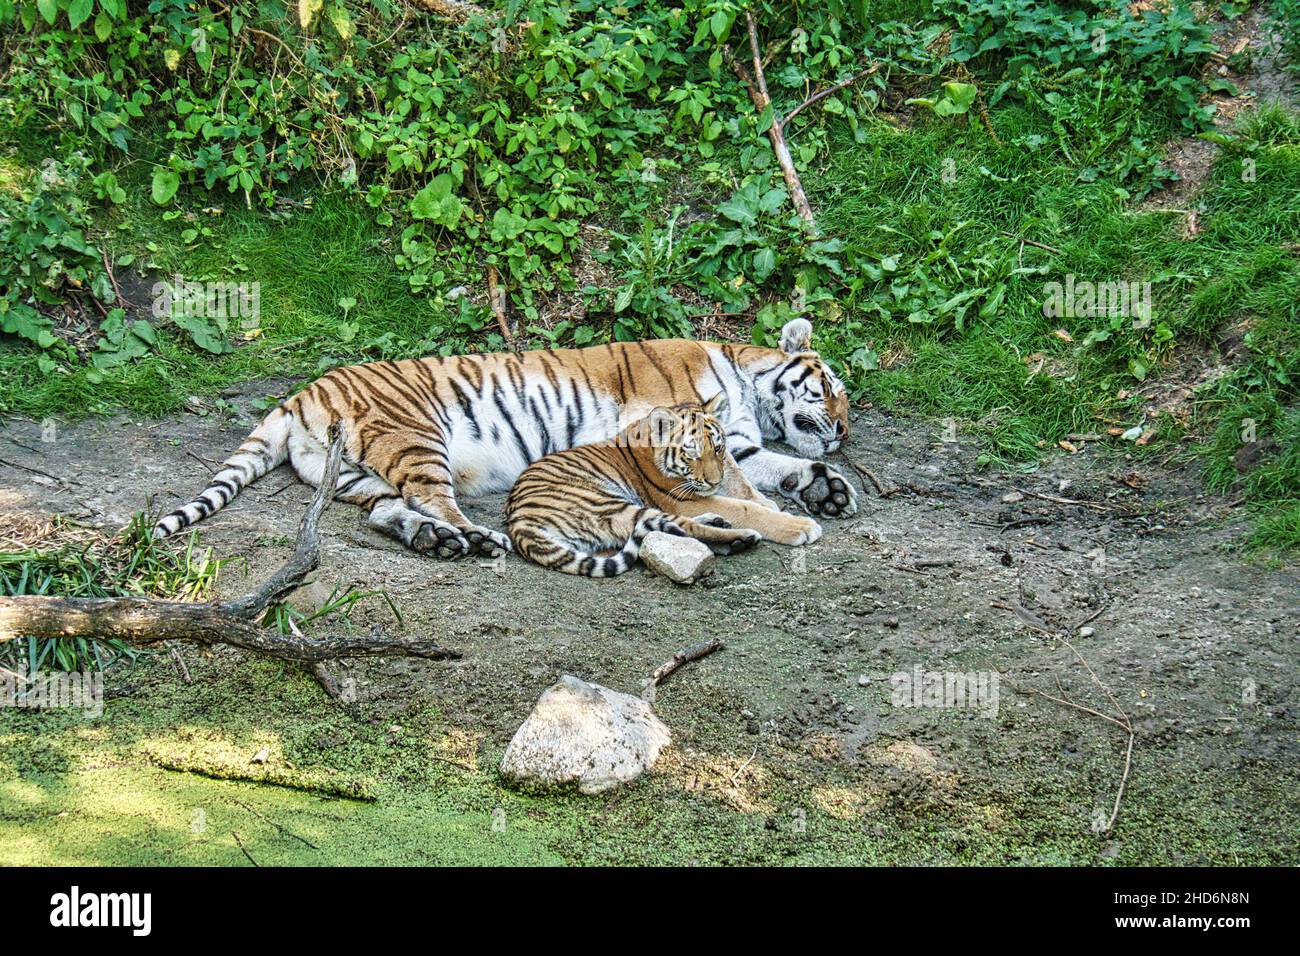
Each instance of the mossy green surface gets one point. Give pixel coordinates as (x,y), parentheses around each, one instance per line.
(76,790)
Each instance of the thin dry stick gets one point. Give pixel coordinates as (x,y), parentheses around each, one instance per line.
(285,830)
(865,474)
(192,454)
(684,656)
(117,291)
(244,849)
(1030,242)
(180,664)
(1068,501)
(34,471)
(756,84)
(736,776)
(1122,720)
(822,94)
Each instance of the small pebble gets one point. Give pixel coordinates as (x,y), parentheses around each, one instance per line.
(891,623)
(1086,632)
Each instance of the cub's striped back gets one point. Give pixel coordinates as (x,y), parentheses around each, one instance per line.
(569,507)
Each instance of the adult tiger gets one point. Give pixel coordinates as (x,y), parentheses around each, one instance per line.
(420,431)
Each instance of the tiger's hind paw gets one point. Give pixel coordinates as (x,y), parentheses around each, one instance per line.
(439,539)
(486,542)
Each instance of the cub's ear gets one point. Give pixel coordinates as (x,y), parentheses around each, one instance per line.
(796,336)
(717,405)
(662,421)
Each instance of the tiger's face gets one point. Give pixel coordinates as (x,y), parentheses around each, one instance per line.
(692,448)
(806,401)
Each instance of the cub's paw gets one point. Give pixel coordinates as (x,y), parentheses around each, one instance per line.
(712,520)
(743,541)
(486,542)
(820,491)
(439,539)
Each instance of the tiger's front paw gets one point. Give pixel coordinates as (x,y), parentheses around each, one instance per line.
(743,541)
(820,490)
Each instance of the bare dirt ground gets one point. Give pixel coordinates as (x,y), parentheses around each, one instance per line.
(956,571)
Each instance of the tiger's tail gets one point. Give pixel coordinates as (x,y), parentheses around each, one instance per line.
(560,555)
(264,449)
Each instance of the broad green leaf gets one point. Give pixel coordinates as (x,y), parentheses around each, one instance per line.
(79,12)
(165,183)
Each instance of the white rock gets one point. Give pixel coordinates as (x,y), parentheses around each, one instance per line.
(1133,434)
(679,559)
(1086,631)
(585,734)
(1011,497)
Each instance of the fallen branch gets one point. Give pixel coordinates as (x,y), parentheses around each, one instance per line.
(1030,242)
(867,475)
(754,78)
(757,86)
(497,299)
(149,621)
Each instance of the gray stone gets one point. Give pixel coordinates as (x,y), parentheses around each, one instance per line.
(679,559)
(584,734)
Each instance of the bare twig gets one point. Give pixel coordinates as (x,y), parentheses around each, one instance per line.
(117,291)
(684,656)
(34,471)
(211,470)
(756,83)
(1030,242)
(1067,501)
(180,664)
(285,830)
(1024,522)
(1120,718)
(867,475)
(244,849)
(822,94)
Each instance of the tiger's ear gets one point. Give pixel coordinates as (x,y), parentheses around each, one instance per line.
(717,405)
(796,336)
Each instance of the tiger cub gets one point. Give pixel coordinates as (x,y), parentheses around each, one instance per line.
(661,473)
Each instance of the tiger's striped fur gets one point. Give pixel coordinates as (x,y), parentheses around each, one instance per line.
(570,505)
(420,431)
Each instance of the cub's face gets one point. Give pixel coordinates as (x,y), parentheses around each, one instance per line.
(692,452)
